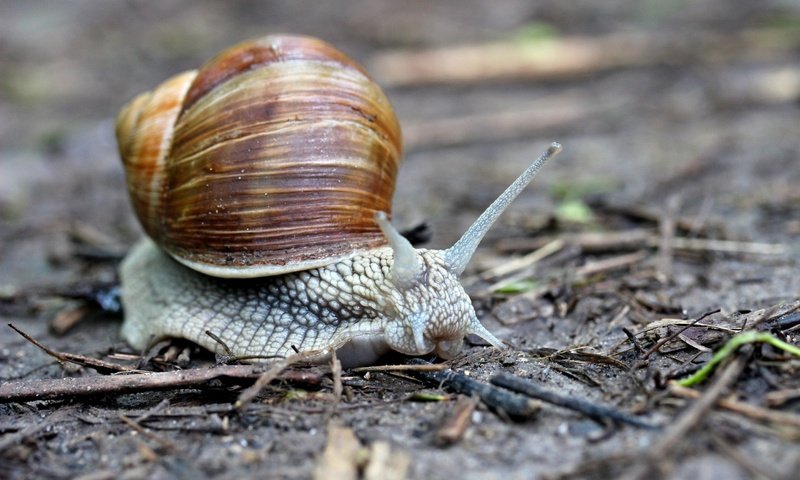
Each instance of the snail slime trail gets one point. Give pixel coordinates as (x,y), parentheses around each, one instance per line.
(220,163)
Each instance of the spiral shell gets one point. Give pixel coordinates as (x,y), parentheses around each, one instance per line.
(273,157)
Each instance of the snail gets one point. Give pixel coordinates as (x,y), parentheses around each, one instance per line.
(264,182)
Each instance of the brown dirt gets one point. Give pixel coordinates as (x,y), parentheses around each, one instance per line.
(698,142)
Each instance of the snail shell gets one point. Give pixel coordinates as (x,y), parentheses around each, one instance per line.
(273,157)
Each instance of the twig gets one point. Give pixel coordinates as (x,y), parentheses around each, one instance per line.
(164,442)
(690,418)
(428,367)
(47,389)
(336,372)
(514,405)
(589,242)
(523,262)
(250,393)
(561,57)
(775,399)
(99,365)
(752,411)
(67,318)
(153,411)
(454,426)
(755,470)
(228,351)
(509,60)
(666,227)
(669,338)
(632,338)
(609,264)
(728,246)
(597,412)
(641,238)
(518,266)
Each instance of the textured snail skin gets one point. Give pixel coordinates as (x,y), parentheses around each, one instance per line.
(351,306)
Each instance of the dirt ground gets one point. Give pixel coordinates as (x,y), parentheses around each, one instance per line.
(667,226)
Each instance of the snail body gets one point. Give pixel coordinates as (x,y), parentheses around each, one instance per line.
(263,182)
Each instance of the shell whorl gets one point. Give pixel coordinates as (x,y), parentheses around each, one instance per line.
(272,157)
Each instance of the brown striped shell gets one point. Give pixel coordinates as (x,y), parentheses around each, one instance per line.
(272,157)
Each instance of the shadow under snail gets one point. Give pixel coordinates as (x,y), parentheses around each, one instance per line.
(264,183)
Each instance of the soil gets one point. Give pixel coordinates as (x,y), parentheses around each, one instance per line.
(683,165)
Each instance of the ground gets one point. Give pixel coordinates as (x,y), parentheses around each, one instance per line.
(675,199)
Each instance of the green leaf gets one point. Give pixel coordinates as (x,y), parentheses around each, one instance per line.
(519,286)
(574,211)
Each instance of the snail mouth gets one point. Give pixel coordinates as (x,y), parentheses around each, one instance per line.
(448,348)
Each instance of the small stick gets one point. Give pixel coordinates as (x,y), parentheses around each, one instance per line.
(251,392)
(669,338)
(689,419)
(454,427)
(153,411)
(84,361)
(553,59)
(666,228)
(428,367)
(609,264)
(164,442)
(728,246)
(640,238)
(514,405)
(228,351)
(755,470)
(66,319)
(776,399)
(636,345)
(48,389)
(752,411)
(597,412)
(336,372)
(523,262)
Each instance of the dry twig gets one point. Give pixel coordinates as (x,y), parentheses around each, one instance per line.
(456,424)
(514,405)
(752,411)
(99,365)
(592,410)
(48,389)
(689,419)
